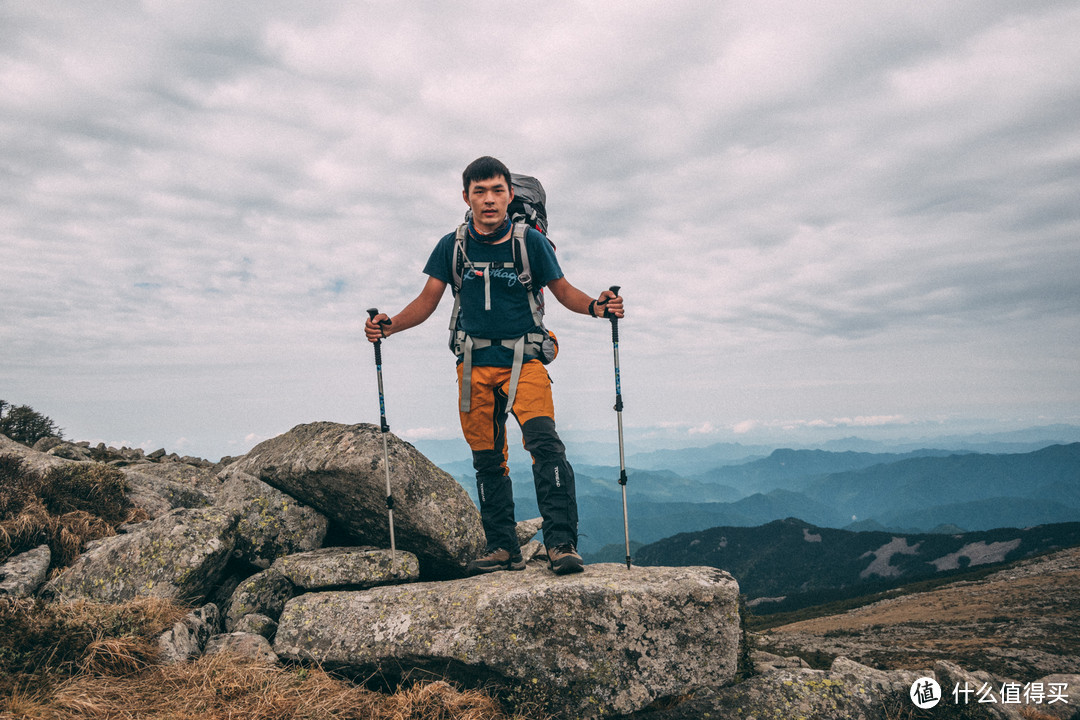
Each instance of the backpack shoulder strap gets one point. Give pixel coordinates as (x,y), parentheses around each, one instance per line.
(521,264)
(457,266)
(521,256)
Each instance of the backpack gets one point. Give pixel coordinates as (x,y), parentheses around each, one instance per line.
(529,202)
(526,210)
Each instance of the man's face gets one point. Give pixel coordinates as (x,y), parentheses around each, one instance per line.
(488,200)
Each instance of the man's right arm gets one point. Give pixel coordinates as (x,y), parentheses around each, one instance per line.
(412,315)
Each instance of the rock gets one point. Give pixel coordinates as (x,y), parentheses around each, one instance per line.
(607,641)
(37,461)
(71,451)
(23,574)
(526,530)
(245,645)
(257,624)
(950,675)
(263,593)
(533,550)
(180,555)
(197,475)
(46,444)
(339,470)
(272,524)
(187,638)
(764,661)
(346,566)
(154,493)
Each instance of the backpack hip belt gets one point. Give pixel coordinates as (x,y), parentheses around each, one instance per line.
(530,342)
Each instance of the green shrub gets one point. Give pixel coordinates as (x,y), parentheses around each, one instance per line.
(25,425)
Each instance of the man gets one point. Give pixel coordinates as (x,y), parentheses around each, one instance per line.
(495,306)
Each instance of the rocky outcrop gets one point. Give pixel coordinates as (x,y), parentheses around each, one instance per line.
(271,524)
(180,555)
(23,574)
(339,470)
(608,641)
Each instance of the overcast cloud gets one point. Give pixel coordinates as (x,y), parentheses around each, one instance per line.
(838,214)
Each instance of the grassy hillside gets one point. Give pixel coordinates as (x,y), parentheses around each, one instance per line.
(796,564)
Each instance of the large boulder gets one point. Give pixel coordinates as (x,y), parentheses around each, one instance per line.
(272,524)
(180,555)
(339,470)
(607,641)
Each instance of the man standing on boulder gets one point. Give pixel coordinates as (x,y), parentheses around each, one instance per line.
(499,342)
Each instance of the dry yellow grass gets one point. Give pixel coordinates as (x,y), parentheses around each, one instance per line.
(224,687)
(64,508)
(85,660)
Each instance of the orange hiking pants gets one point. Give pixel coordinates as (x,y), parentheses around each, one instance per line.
(484,427)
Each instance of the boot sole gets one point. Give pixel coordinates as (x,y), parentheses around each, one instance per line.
(568,568)
(484,570)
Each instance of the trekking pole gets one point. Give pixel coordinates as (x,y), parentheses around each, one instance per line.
(385,429)
(618,411)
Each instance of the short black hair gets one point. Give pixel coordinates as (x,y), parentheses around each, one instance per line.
(483,168)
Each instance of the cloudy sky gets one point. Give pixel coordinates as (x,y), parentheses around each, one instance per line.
(846,216)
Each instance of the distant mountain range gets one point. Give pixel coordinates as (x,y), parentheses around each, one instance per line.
(916,490)
(787,564)
(919,491)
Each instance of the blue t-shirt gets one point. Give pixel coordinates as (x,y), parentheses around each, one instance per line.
(510,315)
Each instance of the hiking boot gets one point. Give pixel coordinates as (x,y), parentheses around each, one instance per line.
(495,560)
(564,559)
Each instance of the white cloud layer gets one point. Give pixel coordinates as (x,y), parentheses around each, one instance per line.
(829,210)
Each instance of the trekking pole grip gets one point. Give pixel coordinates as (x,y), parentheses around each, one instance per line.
(614,320)
(372,312)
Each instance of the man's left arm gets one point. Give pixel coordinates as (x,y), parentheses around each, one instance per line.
(606,305)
